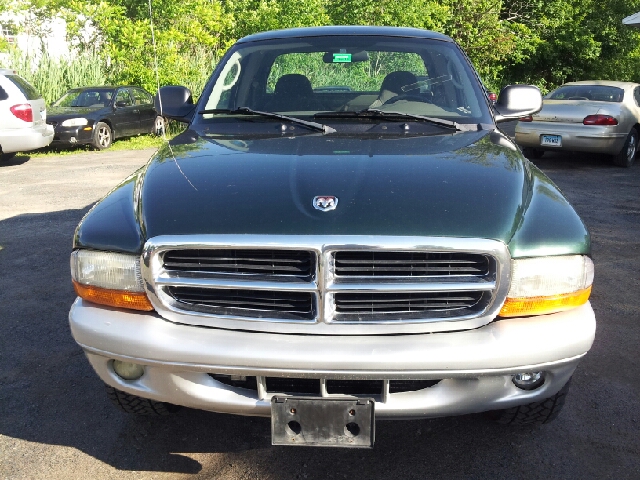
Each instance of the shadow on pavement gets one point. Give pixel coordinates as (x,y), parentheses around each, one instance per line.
(19,159)
(50,395)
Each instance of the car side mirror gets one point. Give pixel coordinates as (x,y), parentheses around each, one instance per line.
(175,102)
(122,103)
(517,101)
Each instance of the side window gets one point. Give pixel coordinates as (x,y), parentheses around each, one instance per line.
(140,97)
(123,99)
(636,95)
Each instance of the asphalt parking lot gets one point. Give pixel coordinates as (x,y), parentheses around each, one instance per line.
(56,421)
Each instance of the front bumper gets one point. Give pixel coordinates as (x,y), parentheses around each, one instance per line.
(26,139)
(575,137)
(475,367)
(73,135)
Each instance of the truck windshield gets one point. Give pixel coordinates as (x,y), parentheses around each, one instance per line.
(308,76)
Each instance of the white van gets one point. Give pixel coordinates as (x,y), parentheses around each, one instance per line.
(23,114)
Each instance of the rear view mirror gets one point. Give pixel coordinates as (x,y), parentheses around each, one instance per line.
(175,102)
(345,57)
(517,101)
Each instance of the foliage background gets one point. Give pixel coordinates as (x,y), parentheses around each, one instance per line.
(542,42)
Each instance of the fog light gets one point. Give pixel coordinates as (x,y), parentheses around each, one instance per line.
(127,370)
(528,380)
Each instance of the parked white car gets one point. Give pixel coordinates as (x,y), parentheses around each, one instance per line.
(23,114)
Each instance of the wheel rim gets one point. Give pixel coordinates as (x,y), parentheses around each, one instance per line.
(104,136)
(631,148)
(159,126)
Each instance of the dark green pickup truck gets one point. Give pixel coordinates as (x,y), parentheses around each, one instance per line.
(341,234)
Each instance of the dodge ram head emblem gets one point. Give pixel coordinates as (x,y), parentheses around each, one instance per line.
(325,203)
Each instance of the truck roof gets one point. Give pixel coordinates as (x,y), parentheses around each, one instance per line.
(345,30)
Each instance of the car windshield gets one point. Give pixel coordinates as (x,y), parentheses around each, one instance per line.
(598,93)
(341,76)
(98,97)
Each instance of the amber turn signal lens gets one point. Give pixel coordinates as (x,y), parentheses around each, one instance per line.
(517,307)
(113,298)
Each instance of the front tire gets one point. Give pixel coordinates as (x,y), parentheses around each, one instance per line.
(102,136)
(533,153)
(139,406)
(159,126)
(536,413)
(627,155)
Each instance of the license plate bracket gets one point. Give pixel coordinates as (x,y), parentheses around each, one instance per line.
(551,140)
(323,422)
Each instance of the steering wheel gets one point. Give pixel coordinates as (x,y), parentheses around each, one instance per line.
(577,98)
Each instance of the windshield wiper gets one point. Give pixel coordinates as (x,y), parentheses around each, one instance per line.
(249,111)
(374,112)
(399,115)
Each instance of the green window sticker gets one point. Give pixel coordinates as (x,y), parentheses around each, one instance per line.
(341,58)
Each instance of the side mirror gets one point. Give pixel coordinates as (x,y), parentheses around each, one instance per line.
(517,101)
(122,103)
(175,102)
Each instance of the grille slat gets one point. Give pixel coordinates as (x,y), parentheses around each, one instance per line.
(349,305)
(252,303)
(276,263)
(410,264)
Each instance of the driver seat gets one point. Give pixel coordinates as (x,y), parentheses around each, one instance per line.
(293,92)
(392,86)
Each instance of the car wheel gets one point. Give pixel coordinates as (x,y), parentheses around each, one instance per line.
(627,155)
(102,136)
(5,157)
(159,126)
(140,406)
(536,413)
(533,153)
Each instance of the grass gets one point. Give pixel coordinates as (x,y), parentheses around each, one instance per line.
(140,142)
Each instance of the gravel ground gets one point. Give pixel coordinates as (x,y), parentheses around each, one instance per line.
(56,422)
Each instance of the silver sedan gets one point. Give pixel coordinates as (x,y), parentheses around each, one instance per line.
(588,116)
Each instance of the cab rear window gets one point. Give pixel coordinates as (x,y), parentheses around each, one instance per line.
(25,87)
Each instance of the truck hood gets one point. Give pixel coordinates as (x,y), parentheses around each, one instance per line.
(468,184)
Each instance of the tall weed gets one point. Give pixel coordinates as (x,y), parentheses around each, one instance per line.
(52,77)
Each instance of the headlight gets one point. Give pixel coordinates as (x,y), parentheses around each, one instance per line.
(75,122)
(548,284)
(109,279)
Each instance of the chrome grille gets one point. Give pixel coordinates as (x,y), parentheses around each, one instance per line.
(409,264)
(348,285)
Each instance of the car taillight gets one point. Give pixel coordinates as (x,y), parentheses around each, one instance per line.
(23,112)
(528,118)
(599,120)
